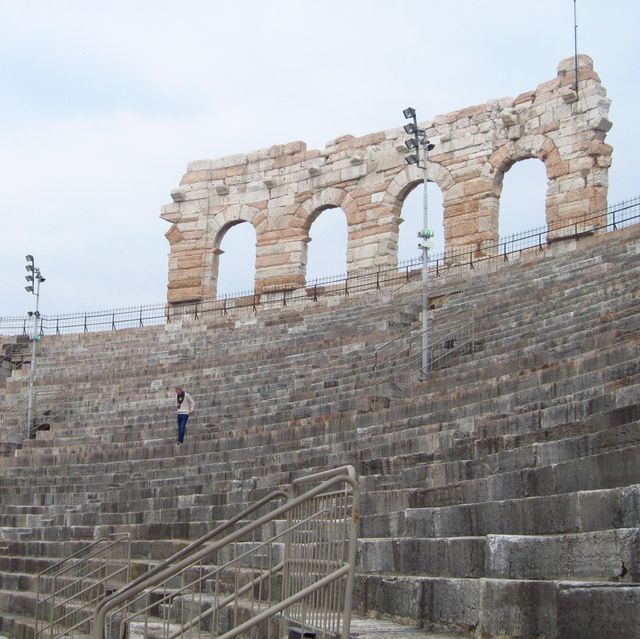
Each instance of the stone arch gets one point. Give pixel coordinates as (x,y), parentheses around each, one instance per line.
(218,226)
(233,215)
(404,182)
(326,250)
(310,209)
(327,198)
(528,147)
(407,179)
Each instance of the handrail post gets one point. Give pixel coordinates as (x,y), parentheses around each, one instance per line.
(473,331)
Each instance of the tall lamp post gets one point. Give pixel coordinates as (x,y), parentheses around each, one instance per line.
(419,139)
(34,279)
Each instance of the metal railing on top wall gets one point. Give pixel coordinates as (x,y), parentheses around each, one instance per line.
(617,216)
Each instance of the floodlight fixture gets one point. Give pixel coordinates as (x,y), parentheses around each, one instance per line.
(417,142)
(34,279)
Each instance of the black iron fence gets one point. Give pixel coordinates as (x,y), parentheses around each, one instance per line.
(616,217)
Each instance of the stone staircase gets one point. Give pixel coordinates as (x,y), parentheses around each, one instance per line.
(500,499)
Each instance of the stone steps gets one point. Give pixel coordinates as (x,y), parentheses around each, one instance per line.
(571,512)
(555,387)
(604,555)
(72,516)
(492,465)
(500,499)
(486,606)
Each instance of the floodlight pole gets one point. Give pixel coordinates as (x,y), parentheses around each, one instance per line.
(36,280)
(425,267)
(425,235)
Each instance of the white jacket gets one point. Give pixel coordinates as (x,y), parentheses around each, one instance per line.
(187,406)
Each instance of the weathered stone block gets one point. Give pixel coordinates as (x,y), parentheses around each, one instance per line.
(595,611)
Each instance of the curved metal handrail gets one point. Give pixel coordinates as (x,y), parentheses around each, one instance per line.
(193,554)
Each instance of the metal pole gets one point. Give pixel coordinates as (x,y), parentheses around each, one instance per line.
(575,42)
(425,269)
(32,375)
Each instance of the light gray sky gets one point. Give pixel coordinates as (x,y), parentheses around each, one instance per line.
(103,104)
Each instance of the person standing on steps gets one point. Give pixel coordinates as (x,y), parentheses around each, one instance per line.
(184,408)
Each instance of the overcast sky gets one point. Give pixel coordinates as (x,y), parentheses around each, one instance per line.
(103,104)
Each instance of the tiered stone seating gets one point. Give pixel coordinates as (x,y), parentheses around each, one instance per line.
(502,498)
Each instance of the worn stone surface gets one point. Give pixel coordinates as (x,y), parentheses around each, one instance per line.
(281,190)
(606,610)
(499,500)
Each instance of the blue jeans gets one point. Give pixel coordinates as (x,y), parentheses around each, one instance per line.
(182,426)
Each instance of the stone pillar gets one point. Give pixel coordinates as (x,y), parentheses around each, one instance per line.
(281,259)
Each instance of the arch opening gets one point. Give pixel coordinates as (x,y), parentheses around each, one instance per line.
(326,253)
(236,272)
(412,216)
(523,198)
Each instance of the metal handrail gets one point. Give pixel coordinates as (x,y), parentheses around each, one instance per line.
(417,335)
(33,428)
(192,547)
(616,216)
(452,313)
(9,356)
(437,342)
(192,556)
(85,564)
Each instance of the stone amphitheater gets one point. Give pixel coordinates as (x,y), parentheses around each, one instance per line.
(499,499)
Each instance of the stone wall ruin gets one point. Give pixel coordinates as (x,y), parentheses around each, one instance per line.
(282,190)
